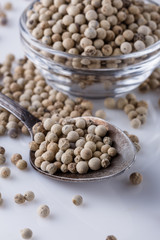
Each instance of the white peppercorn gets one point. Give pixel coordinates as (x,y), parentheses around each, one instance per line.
(135,123)
(100,113)
(139,45)
(26,233)
(2,150)
(51,168)
(80,123)
(39,137)
(136,178)
(90,33)
(80,143)
(44,165)
(64,168)
(29,196)
(63,144)
(145,30)
(73,136)
(94,163)
(107,140)
(43,211)
(19,198)
(66,158)
(90,145)
(77,200)
(82,167)
(105,163)
(1,199)
(111,237)
(126,48)
(86,154)
(5,172)
(15,157)
(121,103)
(112,152)
(110,103)
(21,164)
(101,130)
(33,146)
(2,159)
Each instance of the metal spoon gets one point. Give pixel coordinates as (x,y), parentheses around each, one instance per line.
(125,148)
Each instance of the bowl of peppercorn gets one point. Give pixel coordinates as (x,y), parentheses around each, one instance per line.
(92,48)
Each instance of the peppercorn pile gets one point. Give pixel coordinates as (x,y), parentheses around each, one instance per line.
(74,145)
(95,27)
(152,83)
(25,85)
(135,110)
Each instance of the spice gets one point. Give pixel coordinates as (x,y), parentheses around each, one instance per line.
(19,198)
(26,86)
(95,27)
(21,164)
(2,150)
(136,110)
(1,199)
(152,83)
(26,233)
(5,172)
(136,178)
(111,237)
(3,18)
(2,159)
(94,163)
(8,6)
(100,114)
(43,211)
(15,157)
(29,196)
(110,103)
(135,123)
(82,167)
(77,200)
(78,146)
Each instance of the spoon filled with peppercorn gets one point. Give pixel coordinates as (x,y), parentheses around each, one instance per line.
(74,149)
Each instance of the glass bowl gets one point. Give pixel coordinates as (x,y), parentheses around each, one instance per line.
(92,77)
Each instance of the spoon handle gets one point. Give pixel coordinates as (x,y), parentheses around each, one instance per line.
(22,114)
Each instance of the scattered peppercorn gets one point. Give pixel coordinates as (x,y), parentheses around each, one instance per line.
(136,178)
(110,103)
(27,86)
(111,237)
(26,233)
(43,211)
(2,159)
(100,114)
(19,198)
(136,110)
(1,199)
(15,157)
(29,196)
(2,150)
(21,164)
(77,200)
(5,172)
(152,83)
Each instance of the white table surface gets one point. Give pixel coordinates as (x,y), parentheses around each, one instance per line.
(110,207)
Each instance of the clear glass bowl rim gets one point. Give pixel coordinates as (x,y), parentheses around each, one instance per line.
(50,50)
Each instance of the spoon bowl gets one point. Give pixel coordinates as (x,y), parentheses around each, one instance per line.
(125,148)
